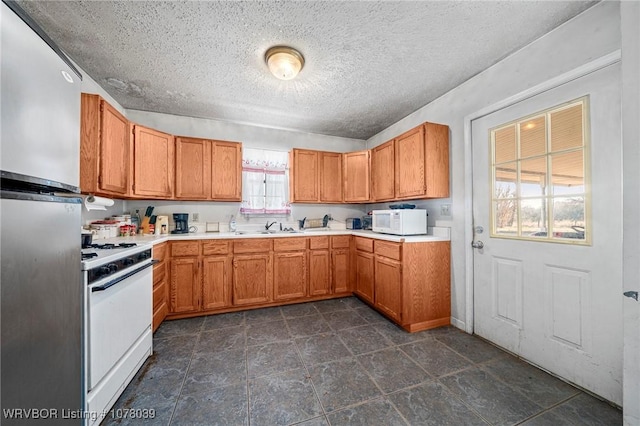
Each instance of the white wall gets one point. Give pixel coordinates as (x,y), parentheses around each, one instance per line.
(593,34)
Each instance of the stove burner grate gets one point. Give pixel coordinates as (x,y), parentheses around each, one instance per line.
(110,246)
(86,256)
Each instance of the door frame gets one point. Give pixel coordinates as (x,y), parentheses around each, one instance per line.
(552,83)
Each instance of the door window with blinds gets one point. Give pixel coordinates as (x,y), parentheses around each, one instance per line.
(540,188)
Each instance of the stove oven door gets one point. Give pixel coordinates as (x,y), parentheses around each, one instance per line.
(119,325)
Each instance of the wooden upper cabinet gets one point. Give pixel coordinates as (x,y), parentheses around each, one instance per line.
(330,177)
(410,164)
(226,172)
(153,163)
(193,168)
(436,138)
(304,184)
(316,176)
(422,162)
(356,176)
(383,172)
(104,148)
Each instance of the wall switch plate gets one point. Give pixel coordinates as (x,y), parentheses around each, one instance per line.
(196,217)
(445,209)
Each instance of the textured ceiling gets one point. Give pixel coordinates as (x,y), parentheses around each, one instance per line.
(368,64)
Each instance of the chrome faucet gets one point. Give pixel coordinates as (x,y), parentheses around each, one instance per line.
(269,225)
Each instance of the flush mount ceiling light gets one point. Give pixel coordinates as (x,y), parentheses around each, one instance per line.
(284,62)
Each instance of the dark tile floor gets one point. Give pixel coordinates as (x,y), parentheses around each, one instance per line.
(338,362)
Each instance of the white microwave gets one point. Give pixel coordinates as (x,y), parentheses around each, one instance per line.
(400,222)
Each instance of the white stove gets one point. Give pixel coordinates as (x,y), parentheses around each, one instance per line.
(118,339)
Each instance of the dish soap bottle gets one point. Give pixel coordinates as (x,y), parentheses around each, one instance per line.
(232,224)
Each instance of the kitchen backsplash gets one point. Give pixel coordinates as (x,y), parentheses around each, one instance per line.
(221,212)
(208,211)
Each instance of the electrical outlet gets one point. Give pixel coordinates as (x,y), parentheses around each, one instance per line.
(196,217)
(445,209)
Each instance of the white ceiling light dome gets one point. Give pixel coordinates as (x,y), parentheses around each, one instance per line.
(284,62)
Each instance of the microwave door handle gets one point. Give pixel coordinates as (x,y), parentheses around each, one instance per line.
(122,278)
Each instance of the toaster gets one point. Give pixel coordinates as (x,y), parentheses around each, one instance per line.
(354,223)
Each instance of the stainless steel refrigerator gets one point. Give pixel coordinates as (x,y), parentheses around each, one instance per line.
(41,286)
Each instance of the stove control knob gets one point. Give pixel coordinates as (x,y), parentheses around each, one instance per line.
(128,261)
(103,271)
(112,268)
(144,255)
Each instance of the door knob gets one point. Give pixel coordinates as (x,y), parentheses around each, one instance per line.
(477,244)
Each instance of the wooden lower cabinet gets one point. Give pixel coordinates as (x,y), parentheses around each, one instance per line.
(409,283)
(388,287)
(252,279)
(340,271)
(319,272)
(412,283)
(289,275)
(364,275)
(185,285)
(216,282)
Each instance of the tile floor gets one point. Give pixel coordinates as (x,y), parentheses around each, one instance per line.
(338,362)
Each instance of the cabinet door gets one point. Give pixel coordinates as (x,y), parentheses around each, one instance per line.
(185,285)
(356,176)
(114,150)
(436,137)
(305,176)
(153,165)
(226,171)
(216,282)
(340,262)
(383,172)
(409,160)
(388,287)
(289,275)
(330,177)
(364,275)
(319,272)
(252,279)
(193,168)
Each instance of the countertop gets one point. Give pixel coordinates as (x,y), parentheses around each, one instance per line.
(157,239)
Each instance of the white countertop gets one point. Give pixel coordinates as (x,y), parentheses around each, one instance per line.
(157,239)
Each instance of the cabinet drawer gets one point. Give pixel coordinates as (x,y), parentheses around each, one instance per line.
(289,244)
(185,248)
(342,241)
(364,244)
(316,243)
(159,272)
(390,250)
(215,247)
(160,251)
(257,245)
(159,293)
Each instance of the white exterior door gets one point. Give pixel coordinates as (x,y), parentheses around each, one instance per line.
(558,305)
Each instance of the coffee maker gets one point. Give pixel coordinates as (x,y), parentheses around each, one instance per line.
(182,223)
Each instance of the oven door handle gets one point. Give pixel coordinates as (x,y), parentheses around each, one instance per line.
(122,278)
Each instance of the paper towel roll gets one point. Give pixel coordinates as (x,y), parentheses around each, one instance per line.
(91,202)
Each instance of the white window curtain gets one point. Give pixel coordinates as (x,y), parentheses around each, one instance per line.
(265,188)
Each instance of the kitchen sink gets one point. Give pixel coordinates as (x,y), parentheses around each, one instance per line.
(270,232)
